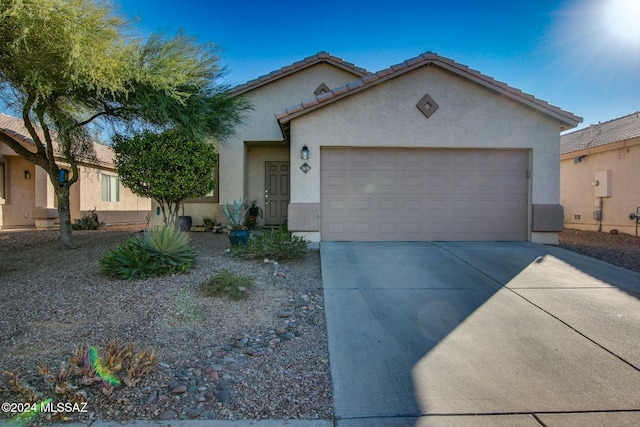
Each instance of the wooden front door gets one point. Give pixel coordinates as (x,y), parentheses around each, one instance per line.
(276,192)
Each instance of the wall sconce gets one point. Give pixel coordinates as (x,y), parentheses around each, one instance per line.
(304,153)
(27,175)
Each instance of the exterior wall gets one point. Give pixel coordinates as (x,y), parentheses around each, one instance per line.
(469,116)
(578,195)
(20,193)
(129,209)
(260,123)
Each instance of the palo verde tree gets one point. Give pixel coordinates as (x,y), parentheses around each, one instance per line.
(168,167)
(68,65)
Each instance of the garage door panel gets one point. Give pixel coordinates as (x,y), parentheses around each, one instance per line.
(424,194)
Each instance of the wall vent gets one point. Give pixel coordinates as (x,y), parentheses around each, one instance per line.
(577,216)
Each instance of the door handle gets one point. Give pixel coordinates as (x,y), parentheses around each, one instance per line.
(266,197)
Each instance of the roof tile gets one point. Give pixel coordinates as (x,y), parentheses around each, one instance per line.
(596,135)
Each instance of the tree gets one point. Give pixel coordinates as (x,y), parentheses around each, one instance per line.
(69,65)
(168,167)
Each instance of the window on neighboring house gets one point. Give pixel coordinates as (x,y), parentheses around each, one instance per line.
(2,181)
(110,188)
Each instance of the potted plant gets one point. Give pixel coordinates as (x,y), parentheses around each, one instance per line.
(208,222)
(255,211)
(184,222)
(235,214)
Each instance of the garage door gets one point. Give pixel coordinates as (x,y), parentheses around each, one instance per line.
(423,194)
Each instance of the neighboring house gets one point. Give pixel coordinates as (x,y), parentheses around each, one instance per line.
(428,149)
(600,175)
(27,197)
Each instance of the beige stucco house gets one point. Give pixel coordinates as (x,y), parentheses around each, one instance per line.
(427,149)
(27,197)
(600,175)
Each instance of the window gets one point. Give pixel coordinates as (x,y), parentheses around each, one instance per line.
(110,188)
(2,181)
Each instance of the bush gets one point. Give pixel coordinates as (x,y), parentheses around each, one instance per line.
(229,284)
(276,244)
(165,250)
(89,221)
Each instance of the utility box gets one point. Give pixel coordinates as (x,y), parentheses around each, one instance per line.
(597,215)
(603,183)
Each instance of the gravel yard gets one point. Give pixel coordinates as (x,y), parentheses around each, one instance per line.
(620,249)
(264,357)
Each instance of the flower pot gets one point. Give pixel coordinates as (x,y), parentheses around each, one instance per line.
(237,237)
(184,223)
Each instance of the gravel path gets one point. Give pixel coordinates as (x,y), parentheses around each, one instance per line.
(265,357)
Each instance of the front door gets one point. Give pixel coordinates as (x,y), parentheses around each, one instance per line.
(276,192)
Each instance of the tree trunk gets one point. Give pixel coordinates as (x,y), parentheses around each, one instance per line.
(64,215)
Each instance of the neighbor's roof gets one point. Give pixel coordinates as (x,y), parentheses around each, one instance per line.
(320,57)
(429,58)
(15,128)
(616,130)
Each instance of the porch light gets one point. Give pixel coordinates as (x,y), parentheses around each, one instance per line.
(304,153)
(27,175)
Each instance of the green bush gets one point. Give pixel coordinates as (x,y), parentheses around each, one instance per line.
(89,221)
(165,250)
(276,244)
(226,283)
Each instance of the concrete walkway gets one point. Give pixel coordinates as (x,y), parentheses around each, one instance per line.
(480,334)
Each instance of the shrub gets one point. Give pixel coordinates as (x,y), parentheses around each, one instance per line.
(163,251)
(229,284)
(277,244)
(89,221)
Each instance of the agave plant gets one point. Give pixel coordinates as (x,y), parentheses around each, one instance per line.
(165,250)
(235,213)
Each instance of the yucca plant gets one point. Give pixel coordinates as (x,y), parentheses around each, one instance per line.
(165,250)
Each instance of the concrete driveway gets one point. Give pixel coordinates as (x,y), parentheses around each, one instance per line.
(480,334)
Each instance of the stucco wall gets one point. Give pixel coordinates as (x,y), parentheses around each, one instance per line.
(469,116)
(577,193)
(129,208)
(20,193)
(261,125)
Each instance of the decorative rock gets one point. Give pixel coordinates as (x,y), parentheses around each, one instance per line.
(202,388)
(286,336)
(197,372)
(192,389)
(169,414)
(216,367)
(193,412)
(233,367)
(173,384)
(211,416)
(179,389)
(222,396)
(164,365)
(285,314)
(280,331)
(250,351)
(152,398)
(209,395)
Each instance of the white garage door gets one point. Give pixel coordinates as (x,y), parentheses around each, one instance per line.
(424,194)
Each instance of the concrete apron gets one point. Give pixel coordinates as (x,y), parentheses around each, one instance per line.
(439,334)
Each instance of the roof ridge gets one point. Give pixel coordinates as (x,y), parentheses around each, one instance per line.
(321,56)
(636,113)
(423,59)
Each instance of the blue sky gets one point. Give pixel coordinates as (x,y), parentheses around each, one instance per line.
(568,53)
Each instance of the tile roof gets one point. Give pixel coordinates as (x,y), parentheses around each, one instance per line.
(15,128)
(320,57)
(429,58)
(596,135)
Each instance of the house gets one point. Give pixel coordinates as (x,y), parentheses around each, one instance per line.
(27,197)
(600,175)
(428,149)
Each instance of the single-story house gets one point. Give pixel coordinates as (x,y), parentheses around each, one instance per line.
(28,199)
(428,149)
(600,175)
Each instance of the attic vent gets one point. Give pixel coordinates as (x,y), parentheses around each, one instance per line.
(427,105)
(323,88)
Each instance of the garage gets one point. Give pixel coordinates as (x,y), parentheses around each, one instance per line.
(414,194)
